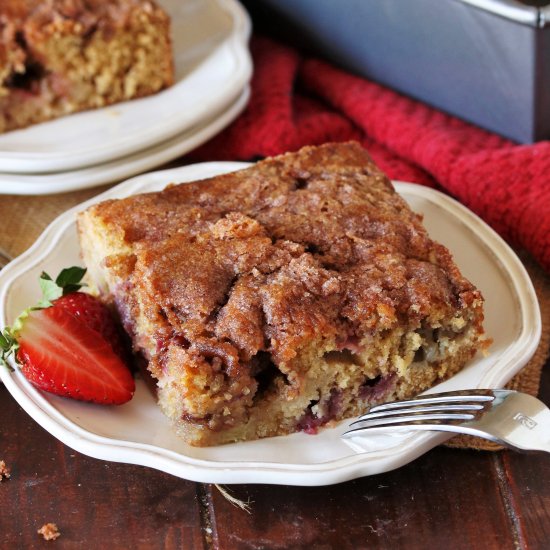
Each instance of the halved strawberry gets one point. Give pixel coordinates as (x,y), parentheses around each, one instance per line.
(97,316)
(64,293)
(69,344)
(62,355)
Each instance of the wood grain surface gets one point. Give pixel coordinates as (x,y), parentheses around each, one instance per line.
(448,498)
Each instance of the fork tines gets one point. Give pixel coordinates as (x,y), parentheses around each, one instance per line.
(466,396)
(426,411)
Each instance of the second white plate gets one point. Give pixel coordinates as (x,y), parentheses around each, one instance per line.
(118,169)
(138,433)
(212,65)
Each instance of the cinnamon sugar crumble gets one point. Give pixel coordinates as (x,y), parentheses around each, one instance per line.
(282,297)
(49,531)
(5,472)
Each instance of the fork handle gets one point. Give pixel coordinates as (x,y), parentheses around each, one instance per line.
(424,427)
(434,427)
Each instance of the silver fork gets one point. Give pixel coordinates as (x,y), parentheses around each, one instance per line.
(516,420)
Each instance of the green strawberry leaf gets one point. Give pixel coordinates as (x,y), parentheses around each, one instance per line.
(50,290)
(69,279)
(4,342)
(8,346)
(66,282)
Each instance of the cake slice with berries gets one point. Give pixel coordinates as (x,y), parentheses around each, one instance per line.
(281,297)
(64,56)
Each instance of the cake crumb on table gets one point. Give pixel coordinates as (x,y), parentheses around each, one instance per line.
(5,472)
(49,531)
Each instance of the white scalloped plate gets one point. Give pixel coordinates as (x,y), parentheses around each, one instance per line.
(138,433)
(212,66)
(119,169)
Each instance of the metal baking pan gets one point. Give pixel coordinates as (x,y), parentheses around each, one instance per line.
(486,61)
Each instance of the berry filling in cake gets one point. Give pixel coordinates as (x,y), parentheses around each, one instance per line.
(282,297)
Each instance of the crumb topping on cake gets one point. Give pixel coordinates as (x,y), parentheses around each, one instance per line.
(63,56)
(289,251)
(86,13)
(263,285)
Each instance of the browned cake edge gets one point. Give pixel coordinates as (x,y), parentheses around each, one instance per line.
(328,376)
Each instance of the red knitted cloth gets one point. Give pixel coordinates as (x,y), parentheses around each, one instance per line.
(298,101)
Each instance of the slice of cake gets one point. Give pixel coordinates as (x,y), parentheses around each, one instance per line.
(278,298)
(63,56)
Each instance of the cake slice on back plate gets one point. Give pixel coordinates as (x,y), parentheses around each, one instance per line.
(280,297)
(63,56)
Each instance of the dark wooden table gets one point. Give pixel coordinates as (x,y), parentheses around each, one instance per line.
(448,498)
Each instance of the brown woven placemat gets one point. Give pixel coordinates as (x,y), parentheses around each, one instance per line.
(22,219)
(528,378)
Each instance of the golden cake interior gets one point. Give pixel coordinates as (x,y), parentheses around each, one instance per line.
(281,297)
(64,56)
